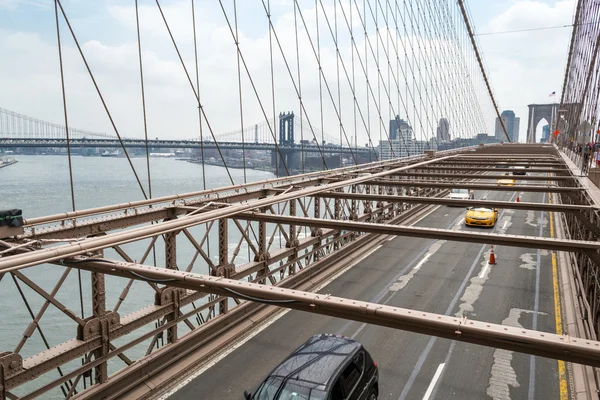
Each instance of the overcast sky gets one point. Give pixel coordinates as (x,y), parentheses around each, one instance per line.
(524,68)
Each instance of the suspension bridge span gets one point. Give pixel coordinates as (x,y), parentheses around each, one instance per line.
(465,263)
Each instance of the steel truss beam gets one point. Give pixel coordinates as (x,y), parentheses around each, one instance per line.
(93,244)
(508,163)
(45,361)
(474,186)
(431,233)
(492,169)
(224,204)
(542,344)
(217,193)
(453,202)
(467,176)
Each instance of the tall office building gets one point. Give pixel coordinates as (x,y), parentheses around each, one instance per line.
(512,126)
(545,134)
(443,131)
(398,125)
(402,142)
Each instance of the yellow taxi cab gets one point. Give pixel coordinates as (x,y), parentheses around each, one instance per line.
(481,216)
(508,181)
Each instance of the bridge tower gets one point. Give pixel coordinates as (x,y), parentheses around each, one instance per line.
(286,129)
(286,156)
(537,112)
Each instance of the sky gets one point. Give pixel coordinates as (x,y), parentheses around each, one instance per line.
(523,68)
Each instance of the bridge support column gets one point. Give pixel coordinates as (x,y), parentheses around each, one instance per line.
(263,255)
(225,268)
(293,242)
(316,232)
(337,214)
(367,204)
(98,310)
(171,263)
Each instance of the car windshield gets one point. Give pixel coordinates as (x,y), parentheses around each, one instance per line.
(460,191)
(278,388)
(483,209)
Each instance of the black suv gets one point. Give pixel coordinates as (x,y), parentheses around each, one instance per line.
(326,367)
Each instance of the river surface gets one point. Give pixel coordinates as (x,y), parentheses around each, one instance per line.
(39,185)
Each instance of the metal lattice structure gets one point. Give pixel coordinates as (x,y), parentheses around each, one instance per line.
(316,217)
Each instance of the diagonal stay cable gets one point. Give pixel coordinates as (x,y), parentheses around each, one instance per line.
(322,77)
(194,90)
(139,46)
(64,98)
(345,70)
(198,98)
(239,76)
(253,85)
(101,98)
(197,71)
(336,108)
(289,72)
(481,67)
(365,71)
(143,92)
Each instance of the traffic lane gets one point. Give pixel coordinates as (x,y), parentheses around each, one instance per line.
(507,297)
(303,325)
(433,285)
(249,364)
(428,366)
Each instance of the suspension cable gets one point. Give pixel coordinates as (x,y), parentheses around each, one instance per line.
(102,99)
(476,50)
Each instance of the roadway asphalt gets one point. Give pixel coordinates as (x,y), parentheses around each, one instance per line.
(431,275)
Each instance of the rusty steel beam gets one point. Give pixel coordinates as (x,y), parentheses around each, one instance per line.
(522,340)
(475,186)
(431,233)
(458,203)
(492,169)
(216,192)
(73,349)
(467,176)
(507,163)
(93,244)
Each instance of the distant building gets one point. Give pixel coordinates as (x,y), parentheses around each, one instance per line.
(402,142)
(512,126)
(443,131)
(545,134)
(397,124)
(485,138)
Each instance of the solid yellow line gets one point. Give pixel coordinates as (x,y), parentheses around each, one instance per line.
(562,374)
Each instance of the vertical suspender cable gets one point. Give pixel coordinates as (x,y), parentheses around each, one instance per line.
(200,116)
(323,166)
(101,98)
(64,98)
(237,43)
(139,43)
(299,89)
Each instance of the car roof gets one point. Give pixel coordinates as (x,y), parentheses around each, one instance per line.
(318,359)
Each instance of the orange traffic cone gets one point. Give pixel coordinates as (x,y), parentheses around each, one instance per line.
(492,257)
(518,199)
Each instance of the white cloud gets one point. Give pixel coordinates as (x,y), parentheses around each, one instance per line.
(31,85)
(526,67)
